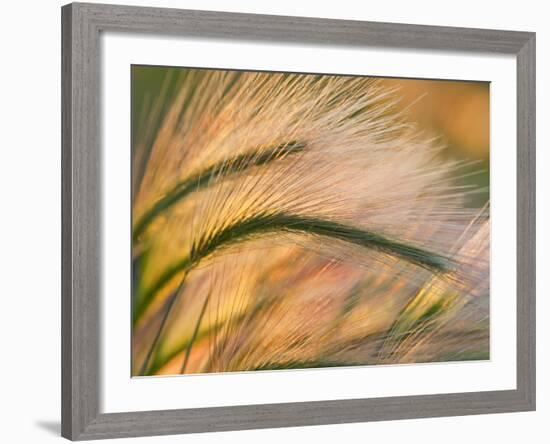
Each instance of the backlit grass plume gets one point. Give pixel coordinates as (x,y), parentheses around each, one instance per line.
(294,221)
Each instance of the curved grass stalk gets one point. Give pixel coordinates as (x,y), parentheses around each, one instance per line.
(303,364)
(156,364)
(263,224)
(152,348)
(185,346)
(194,336)
(214,174)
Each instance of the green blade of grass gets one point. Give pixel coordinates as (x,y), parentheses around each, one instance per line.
(214,174)
(210,331)
(262,224)
(300,365)
(194,336)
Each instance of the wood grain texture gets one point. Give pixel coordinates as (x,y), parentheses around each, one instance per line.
(66,224)
(230,25)
(526,221)
(119,425)
(81,230)
(81,222)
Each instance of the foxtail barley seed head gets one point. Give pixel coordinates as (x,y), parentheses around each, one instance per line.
(285,221)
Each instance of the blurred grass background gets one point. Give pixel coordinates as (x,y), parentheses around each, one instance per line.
(458,112)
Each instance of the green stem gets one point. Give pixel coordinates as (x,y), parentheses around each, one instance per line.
(152,348)
(262,224)
(214,174)
(194,337)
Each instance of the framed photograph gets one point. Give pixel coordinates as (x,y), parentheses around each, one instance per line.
(284,221)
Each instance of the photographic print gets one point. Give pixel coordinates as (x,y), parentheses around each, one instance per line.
(285,221)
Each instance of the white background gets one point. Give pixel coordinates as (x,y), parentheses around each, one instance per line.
(30,222)
(121,393)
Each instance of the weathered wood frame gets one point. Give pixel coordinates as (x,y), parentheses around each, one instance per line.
(81,172)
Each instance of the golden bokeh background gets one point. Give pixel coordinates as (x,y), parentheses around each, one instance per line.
(458,113)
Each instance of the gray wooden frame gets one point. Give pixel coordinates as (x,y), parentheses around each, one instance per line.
(81,231)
